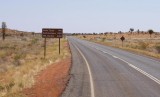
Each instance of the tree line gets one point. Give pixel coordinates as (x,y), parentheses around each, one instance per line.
(131,31)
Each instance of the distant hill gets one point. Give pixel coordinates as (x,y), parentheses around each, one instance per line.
(10,32)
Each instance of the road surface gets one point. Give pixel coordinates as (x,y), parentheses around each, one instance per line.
(102,71)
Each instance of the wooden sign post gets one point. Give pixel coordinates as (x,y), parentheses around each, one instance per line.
(44,48)
(51,33)
(59,46)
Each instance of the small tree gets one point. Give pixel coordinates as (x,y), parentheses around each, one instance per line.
(119,32)
(94,33)
(150,32)
(138,31)
(33,33)
(131,30)
(22,34)
(84,36)
(3,30)
(105,33)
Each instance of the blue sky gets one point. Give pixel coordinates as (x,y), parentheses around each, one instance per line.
(81,15)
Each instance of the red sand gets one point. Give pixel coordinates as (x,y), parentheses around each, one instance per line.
(52,81)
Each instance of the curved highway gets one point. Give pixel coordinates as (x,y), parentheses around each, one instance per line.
(102,71)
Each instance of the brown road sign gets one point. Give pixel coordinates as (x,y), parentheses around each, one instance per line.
(52,33)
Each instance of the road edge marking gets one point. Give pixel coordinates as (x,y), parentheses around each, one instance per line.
(89,71)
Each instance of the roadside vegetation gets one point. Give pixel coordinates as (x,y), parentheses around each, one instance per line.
(141,42)
(21,59)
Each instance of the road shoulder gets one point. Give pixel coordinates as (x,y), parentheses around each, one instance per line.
(52,81)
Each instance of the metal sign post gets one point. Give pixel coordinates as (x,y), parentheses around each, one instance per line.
(122,39)
(51,33)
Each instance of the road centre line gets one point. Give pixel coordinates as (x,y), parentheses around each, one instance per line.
(131,65)
(132,53)
(143,72)
(89,70)
(134,67)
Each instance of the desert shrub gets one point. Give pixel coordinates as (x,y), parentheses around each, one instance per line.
(157,48)
(1,88)
(9,86)
(34,41)
(4,47)
(17,58)
(17,63)
(103,39)
(143,45)
(127,45)
(21,85)
(21,34)
(134,46)
(3,69)
(2,54)
(24,39)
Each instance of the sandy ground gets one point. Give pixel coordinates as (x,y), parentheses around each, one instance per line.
(52,81)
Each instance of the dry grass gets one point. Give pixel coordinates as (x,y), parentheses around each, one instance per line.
(21,58)
(139,43)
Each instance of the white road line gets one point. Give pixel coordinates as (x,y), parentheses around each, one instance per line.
(90,74)
(134,67)
(115,56)
(141,71)
(131,53)
(138,69)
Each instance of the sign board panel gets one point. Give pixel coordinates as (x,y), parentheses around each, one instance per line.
(122,38)
(52,33)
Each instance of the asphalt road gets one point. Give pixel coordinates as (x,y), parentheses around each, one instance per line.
(101,71)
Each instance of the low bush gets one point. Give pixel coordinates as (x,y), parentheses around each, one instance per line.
(157,48)
(34,41)
(143,45)
(103,39)
(1,88)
